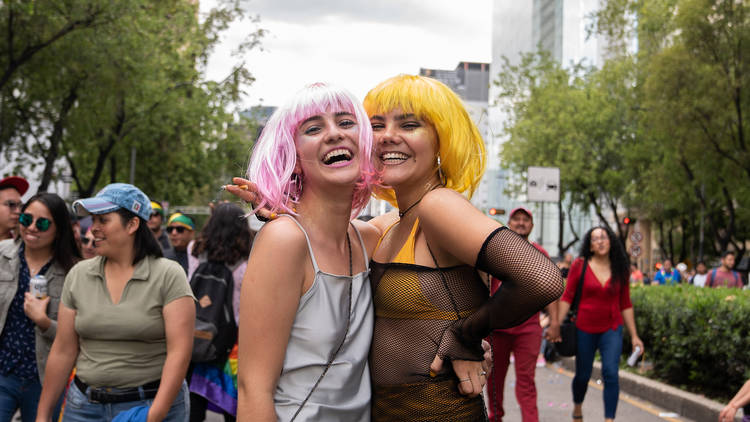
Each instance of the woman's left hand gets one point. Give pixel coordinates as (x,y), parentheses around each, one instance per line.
(471,374)
(35,309)
(636,341)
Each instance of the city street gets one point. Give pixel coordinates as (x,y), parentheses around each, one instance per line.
(555,401)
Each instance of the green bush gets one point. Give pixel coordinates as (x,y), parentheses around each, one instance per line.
(695,337)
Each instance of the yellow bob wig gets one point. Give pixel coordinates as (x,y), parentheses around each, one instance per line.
(460,146)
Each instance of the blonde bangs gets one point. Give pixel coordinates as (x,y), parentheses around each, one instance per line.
(461,148)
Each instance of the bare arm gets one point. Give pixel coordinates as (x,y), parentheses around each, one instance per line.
(563,309)
(60,363)
(270,296)
(740,399)
(179,323)
(530,280)
(628,316)
(553,331)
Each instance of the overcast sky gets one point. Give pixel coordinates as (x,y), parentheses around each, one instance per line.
(353,43)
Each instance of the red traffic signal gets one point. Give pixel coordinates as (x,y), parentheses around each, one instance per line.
(626,220)
(496,211)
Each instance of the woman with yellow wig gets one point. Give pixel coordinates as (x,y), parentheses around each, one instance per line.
(431,304)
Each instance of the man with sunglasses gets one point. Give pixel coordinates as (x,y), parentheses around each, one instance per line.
(11,190)
(180,229)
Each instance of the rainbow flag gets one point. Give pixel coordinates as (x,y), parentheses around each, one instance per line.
(217,383)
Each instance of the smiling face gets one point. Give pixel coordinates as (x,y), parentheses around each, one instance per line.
(327,149)
(112,235)
(406,149)
(521,223)
(88,249)
(33,237)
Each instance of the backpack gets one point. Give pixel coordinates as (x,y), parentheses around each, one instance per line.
(215,328)
(712,276)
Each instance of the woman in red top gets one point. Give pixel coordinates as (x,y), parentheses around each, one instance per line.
(604,306)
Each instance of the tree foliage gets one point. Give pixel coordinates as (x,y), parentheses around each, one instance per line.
(125,81)
(662,131)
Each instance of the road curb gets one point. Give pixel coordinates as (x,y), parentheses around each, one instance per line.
(689,405)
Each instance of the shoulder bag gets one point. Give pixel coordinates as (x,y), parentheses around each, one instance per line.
(567,347)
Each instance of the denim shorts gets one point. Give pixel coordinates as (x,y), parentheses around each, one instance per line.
(78,408)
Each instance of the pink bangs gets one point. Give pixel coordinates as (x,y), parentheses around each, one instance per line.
(274,156)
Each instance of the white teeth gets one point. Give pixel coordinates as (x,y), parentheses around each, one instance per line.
(393,156)
(339,151)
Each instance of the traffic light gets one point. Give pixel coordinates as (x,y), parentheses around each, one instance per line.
(496,211)
(627,221)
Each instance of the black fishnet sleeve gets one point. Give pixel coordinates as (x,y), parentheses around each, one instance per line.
(530,282)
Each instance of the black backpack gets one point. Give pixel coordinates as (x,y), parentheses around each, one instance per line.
(215,327)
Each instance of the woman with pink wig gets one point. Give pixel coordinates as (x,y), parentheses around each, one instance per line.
(306,314)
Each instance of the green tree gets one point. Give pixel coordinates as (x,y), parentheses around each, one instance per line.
(135,84)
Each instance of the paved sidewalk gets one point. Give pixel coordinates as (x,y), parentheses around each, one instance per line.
(555,400)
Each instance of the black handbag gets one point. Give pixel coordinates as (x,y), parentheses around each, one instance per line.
(567,346)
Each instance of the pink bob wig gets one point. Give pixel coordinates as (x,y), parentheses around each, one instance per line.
(274,156)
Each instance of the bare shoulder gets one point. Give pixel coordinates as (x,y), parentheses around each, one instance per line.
(370,234)
(281,235)
(443,203)
(382,222)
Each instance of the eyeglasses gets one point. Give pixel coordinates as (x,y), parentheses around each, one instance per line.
(41,223)
(179,229)
(13,205)
(86,240)
(155,213)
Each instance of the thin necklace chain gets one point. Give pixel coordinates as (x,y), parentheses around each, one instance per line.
(401,214)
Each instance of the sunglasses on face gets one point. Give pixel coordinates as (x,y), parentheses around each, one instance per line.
(86,240)
(179,229)
(41,223)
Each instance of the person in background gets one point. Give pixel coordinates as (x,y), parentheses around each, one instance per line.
(29,324)
(226,238)
(636,276)
(11,190)
(701,273)
(603,308)
(180,229)
(740,400)
(564,265)
(667,275)
(126,321)
(723,275)
(155,222)
(523,340)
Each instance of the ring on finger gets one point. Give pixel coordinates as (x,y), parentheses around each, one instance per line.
(465,379)
(483,373)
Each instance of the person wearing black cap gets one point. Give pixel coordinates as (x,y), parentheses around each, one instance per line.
(11,190)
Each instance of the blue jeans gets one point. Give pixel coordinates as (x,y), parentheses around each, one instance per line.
(78,408)
(609,344)
(17,393)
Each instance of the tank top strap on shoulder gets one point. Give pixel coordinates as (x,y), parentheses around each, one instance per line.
(406,254)
(307,239)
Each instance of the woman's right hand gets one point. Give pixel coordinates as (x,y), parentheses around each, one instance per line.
(248,192)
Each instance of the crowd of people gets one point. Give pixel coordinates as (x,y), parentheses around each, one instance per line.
(145,317)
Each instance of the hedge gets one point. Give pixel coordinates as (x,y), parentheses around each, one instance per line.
(697,338)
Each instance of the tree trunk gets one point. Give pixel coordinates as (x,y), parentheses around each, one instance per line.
(56,137)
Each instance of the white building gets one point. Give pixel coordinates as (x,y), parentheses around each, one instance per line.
(558,27)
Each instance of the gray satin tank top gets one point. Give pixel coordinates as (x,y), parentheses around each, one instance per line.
(344,392)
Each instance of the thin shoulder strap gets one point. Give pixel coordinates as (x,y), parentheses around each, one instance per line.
(362,244)
(309,245)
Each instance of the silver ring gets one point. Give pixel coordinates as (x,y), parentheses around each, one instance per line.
(483,373)
(465,379)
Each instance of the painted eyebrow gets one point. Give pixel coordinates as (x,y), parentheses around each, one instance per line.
(317,117)
(400,117)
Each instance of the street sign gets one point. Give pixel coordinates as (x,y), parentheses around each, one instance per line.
(635,251)
(543,184)
(636,237)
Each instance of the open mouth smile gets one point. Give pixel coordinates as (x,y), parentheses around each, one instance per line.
(393,158)
(338,157)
